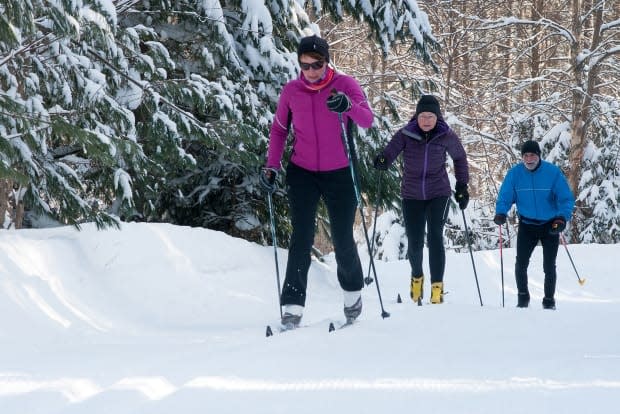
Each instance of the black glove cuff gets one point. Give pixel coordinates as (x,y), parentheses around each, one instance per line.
(459,187)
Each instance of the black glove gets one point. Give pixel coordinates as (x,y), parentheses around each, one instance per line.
(267,180)
(380,162)
(461,195)
(338,102)
(558,224)
(499,219)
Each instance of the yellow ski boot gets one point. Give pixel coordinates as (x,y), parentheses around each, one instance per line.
(417,288)
(437,292)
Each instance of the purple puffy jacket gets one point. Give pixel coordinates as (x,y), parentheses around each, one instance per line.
(318,143)
(424,173)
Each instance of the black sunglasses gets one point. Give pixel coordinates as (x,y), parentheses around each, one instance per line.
(314,65)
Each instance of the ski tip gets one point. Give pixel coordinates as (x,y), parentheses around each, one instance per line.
(268,332)
(331,327)
(398,299)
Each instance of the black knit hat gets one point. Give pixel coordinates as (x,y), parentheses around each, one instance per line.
(428,103)
(313,44)
(530,146)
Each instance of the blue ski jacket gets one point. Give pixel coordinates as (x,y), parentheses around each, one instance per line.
(540,195)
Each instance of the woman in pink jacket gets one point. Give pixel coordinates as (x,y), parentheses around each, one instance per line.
(318,167)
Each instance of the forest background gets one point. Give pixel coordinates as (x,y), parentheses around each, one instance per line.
(159,110)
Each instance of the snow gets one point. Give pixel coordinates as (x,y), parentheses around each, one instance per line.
(123,180)
(155,318)
(96,18)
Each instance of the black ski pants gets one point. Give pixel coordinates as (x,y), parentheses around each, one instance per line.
(429,216)
(305,189)
(528,237)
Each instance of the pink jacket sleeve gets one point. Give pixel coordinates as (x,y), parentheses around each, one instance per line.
(278,133)
(360,111)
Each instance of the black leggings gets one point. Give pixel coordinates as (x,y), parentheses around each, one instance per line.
(304,189)
(429,215)
(527,239)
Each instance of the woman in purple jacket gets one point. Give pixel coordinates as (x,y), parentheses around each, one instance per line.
(318,168)
(425,188)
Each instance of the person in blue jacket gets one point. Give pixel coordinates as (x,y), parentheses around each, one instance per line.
(544,204)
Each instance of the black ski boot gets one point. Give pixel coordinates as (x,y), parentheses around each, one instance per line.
(523,300)
(548,303)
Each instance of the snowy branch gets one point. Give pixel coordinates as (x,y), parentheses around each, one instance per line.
(48,39)
(611,25)
(557,28)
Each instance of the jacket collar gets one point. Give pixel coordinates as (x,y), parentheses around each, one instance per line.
(321,83)
(412,130)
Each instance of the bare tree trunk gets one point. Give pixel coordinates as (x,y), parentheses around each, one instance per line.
(449,62)
(5,188)
(19,212)
(537,7)
(579,110)
(586,87)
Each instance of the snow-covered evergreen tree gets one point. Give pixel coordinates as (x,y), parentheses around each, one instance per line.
(156,110)
(66,140)
(231,60)
(600,182)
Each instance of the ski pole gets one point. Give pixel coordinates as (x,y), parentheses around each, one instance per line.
(472,256)
(501,260)
(275,247)
(581,281)
(349,150)
(369,279)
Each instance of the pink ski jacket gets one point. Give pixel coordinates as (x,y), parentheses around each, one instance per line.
(317,144)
